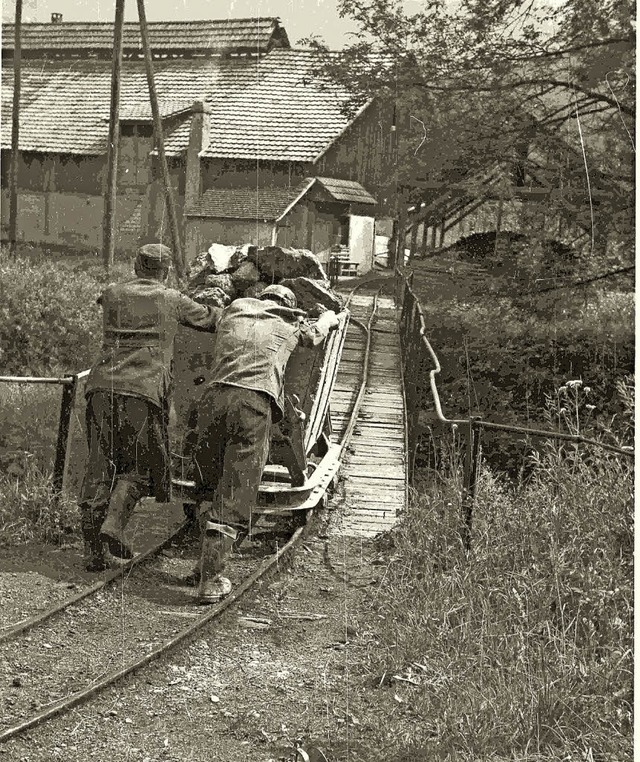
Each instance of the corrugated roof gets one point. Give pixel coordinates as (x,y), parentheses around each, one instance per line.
(266,204)
(347,190)
(217,35)
(270,108)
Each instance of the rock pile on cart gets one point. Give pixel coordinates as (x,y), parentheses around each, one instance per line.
(224,273)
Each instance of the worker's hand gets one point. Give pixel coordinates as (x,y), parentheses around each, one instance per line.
(328,321)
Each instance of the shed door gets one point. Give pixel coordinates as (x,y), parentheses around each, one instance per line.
(361,241)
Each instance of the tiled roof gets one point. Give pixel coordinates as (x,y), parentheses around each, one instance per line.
(65,104)
(247,203)
(272,203)
(141,112)
(269,108)
(272,110)
(218,35)
(346,190)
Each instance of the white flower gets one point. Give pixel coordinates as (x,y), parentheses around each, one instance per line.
(574,384)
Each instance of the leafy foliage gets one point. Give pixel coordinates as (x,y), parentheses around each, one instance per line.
(49,319)
(544,91)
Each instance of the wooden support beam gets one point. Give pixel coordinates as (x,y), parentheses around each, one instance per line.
(177,253)
(413,246)
(15,131)
(113,145)
(424,242)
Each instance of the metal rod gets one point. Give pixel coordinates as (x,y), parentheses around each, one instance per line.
(108,225)
(178,258)
(15,131)
(62,445)
(35,380)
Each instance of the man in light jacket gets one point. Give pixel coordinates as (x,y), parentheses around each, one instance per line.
(255,338)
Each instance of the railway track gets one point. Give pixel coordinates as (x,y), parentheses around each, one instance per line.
(141,610)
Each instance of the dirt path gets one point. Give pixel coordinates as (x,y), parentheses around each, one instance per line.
(290,663)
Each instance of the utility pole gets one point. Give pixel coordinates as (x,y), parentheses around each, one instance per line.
(108,228)
(15,131)
(178,258)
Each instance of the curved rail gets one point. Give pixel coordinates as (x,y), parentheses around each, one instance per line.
(74,699)
(112,576)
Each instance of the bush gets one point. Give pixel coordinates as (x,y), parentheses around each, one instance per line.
(501,356)
(521,650)
(49,319)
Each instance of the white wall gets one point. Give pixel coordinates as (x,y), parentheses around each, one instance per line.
(361,241)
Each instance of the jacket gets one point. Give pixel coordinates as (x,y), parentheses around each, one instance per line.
(254,341)
(140,320)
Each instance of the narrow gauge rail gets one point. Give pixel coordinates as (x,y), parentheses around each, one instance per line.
(124,647)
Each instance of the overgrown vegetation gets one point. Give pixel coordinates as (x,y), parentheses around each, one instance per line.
(502,354)
(49,325)
(521,650)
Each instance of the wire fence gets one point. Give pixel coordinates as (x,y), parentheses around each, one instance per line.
(420,368)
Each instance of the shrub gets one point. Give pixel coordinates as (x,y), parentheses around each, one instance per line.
(521,650)
(49,319)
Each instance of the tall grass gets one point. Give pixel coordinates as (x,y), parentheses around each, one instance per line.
(522,649)
(28,432)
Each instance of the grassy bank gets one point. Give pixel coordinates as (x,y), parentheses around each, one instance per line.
(523,649)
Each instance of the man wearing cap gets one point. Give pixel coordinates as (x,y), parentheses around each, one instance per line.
(255,338)
(128,393)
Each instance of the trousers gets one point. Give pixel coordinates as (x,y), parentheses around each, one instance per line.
(128,446)
(231,451)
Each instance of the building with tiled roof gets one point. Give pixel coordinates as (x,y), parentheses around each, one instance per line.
(241,111)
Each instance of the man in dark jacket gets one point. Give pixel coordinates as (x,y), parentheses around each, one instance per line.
(255,338)
(128,394)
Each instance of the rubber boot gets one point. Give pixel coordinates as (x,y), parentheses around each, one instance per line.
(121,504)
(217,543)
(94,557)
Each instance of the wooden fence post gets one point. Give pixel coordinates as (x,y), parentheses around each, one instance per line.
(471,467)
(64,432)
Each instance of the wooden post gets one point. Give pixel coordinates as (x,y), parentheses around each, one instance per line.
(178,258)
(434,232)
(471,468)
(15,131)
(64,431)
(402,235)
(414,242)
(113,145)
(424,242)
(442,231)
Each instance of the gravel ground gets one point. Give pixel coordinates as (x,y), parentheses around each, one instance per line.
(288,664)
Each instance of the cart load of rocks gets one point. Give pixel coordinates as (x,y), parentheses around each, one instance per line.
(225,273)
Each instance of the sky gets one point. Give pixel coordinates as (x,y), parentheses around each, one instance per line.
(301,18)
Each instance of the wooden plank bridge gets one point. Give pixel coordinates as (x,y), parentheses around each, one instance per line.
(373,479)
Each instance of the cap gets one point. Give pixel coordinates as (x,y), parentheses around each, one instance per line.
(282,293)
(154,256)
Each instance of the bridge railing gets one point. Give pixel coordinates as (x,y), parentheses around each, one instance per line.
(69,385)
(420,370)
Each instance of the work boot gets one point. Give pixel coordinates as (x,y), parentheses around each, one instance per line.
(217,543)
(121,504)
(94,557)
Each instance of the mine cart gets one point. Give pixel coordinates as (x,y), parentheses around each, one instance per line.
(303,459)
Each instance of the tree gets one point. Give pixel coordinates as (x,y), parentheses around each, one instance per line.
(542,90)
